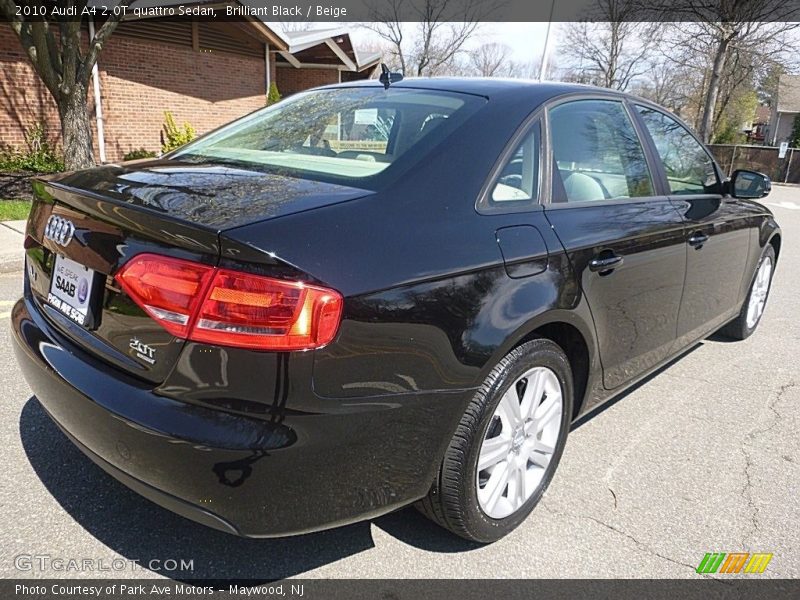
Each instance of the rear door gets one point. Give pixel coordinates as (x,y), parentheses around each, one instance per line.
(716,229)
(624,238)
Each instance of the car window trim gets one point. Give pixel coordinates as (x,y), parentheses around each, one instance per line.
(484,204)
(657,173)
(667,191)
(612,97)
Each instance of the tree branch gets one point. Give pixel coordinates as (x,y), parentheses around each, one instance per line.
(100,38)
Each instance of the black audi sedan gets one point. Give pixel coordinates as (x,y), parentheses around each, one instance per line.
(369,295)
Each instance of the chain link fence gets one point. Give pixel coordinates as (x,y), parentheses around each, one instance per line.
(759,158)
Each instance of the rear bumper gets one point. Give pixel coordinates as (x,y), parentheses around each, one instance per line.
(293,473)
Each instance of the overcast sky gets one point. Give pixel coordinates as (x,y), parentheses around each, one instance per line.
(525,39)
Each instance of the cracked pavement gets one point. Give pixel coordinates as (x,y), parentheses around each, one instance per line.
(702,457)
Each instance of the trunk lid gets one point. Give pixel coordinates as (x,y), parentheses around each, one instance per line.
(100,218)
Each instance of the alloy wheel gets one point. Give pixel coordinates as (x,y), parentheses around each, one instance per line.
(758,295)
(519,442)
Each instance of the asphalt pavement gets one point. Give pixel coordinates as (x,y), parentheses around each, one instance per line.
(702,457)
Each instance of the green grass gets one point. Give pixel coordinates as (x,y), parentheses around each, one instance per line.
(14,210)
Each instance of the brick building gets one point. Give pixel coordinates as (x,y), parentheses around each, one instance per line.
(205,73)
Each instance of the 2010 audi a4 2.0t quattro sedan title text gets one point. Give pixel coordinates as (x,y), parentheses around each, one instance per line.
(371,295)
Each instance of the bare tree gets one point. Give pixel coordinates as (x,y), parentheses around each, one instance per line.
(721,31)
(492,60)
(434,39)
(293,26)
(53,45)
(528,69)
(768,83)
(387,23)
(667,84)
(612,49)
(738,80)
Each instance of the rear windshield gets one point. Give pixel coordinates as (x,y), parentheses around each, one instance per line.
(351,134)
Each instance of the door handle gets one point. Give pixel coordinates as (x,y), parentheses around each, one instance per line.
(697,239)
(607,263)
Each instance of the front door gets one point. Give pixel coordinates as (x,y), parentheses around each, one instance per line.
(716,232)
(625,242)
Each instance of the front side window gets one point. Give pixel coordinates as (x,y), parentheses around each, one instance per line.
(597,154)
(336,134)
(688,166)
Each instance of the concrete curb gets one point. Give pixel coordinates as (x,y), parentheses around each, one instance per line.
(12,254)
(11,265)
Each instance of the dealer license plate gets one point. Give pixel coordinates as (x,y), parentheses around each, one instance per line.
(71,289)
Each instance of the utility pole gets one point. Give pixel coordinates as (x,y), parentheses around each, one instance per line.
(546,52)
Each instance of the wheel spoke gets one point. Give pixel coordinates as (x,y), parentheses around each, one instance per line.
(533,394)
(758,293)
(766,270)
(549,410)
(496,485)
(493,451)
(530,427)
(513,487)
(509,407)
(751,312)
(522,486)
(543,447)
(539,459)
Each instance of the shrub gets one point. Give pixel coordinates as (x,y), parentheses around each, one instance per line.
(6,158)
(139,153)
(41,155)
(729,134)
(273,95)
(173,136)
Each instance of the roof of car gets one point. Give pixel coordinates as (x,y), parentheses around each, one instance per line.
(486,86)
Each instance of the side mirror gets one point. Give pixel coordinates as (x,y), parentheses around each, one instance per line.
(750,185)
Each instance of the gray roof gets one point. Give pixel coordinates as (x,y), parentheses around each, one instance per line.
(789,94)
(320,34)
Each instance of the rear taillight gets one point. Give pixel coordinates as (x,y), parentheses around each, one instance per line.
(168,289)
(231,308)
(259,312)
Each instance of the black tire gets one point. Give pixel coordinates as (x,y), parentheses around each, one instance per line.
(453,500)
(738,328)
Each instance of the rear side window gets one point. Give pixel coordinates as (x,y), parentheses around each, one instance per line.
(339,134)
(597,153)
(517,183)
(688,166)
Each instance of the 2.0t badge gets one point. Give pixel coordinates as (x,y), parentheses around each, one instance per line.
(143,351)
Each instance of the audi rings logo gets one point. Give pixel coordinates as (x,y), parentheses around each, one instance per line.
(59,230)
